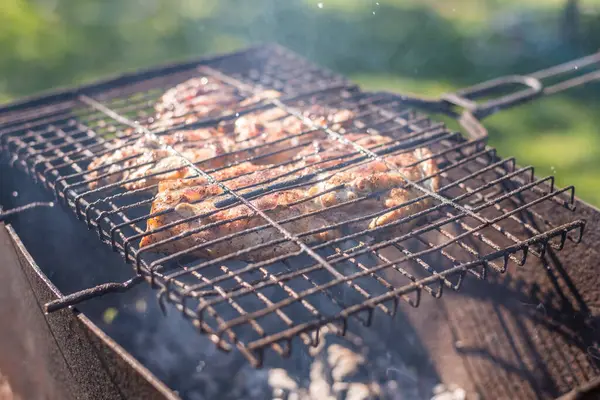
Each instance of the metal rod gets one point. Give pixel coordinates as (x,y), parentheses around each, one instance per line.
(86,294)
(4,215)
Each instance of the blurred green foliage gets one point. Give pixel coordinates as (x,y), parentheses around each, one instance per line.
(422,46)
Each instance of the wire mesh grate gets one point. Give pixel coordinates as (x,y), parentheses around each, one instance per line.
(483,212)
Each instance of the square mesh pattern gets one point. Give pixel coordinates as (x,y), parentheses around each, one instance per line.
(486,214)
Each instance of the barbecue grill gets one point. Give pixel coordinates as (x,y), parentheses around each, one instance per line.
(488,216)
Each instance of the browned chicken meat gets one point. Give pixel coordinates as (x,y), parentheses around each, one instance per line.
(198,98)
(268,136)
(318,156)
(140,163)
(286,131)
(381,189)
(286,166)
(271,133)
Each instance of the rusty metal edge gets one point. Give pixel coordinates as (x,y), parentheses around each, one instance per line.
(103,337)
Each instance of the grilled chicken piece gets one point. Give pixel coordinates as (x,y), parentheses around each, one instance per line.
(384,187)
(276,124)
(141,163)
(144,159)
(144,162)
(312,158)
(198,98)
(268,127)
(275,120)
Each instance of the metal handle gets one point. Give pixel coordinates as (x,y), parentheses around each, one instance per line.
(463,106)
(535,87)
(465,97)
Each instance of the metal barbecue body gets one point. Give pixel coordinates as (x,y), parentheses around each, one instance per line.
(64,355)
(488,215)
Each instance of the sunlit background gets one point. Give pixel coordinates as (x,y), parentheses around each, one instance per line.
(419,46)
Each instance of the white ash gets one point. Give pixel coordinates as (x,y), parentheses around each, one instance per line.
(450,392)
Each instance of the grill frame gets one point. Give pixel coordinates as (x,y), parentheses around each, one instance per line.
(480,149)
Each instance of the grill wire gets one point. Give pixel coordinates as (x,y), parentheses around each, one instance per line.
(489,213)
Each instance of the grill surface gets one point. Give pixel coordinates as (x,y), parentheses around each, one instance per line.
(488,214)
